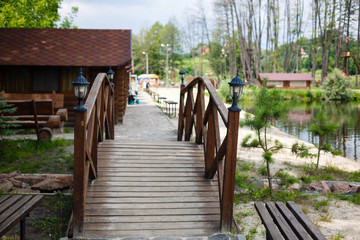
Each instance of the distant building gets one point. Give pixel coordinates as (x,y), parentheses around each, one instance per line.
(202,50)
(285,80)
(42,61)
(303,53)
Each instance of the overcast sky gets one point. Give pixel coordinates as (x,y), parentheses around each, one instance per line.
(126,14)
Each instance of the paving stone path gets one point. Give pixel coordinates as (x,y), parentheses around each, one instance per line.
(145,122)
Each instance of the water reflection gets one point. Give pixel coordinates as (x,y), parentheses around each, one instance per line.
(346,115)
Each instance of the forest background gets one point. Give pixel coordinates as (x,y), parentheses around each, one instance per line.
(255,36)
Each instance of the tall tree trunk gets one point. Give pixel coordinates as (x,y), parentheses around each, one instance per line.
(267,34)
(314,43)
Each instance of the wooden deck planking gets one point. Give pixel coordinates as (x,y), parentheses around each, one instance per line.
(153,190)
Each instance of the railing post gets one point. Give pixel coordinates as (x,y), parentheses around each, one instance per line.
(181,114)
(79,171)
(229,170)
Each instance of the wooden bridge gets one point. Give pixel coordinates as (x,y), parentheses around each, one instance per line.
(153,189)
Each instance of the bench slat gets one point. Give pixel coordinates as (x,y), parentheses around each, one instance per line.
(3,198)
(268,221)
(293,222)
(5,215)
(280,221)
(307,224)
(9,202)
(21,212)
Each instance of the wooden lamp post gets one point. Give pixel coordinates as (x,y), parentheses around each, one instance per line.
(80,90)
(236,88)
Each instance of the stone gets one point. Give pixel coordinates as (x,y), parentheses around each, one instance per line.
(341,187)
(295,186)
(30,179)
(219,236)
(326,187)
(51,184)
(241,237)
(13,174)
(24,191)
(16,183)
(136,238)
(316,186)
(166,238)
(274,185)
(6,186)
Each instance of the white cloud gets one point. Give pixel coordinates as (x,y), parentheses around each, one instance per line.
(126,14)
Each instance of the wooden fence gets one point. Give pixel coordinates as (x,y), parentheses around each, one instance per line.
(194,115)
(90,128)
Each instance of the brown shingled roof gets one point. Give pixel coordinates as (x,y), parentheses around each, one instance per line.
(64,47)
(286,76)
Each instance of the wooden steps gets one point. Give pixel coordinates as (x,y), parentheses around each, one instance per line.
(152,189)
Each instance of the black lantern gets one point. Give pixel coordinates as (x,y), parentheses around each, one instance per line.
(80,90)
(182,76)
(236,88)
(110,75)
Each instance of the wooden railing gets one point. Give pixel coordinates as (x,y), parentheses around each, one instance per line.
(194,115)
(90,128)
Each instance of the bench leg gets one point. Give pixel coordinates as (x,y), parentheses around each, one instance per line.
(23,229)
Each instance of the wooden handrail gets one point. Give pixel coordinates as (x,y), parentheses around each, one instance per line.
(220,157)
(90,128)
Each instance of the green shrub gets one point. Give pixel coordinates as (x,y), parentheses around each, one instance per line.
(336,86)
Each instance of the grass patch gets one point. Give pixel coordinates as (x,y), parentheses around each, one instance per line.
(57,214)
(31,156)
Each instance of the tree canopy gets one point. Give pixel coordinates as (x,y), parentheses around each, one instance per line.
(34,14)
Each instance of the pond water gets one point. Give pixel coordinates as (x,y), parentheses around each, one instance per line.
(345,115)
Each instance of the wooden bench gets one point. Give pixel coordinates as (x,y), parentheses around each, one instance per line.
(14,209)
(286,222)
(37,114)
(57,98)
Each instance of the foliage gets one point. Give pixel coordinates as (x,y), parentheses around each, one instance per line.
(33,14)
(322,127)
(253,143)
(301,150)
(266,110)
(68,21)
(32,156)
(5,125)
(149,41)
(336,86)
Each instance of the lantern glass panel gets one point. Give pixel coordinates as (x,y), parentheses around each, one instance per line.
(82,91)
(76,91)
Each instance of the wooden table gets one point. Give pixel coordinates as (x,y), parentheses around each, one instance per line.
(14,209)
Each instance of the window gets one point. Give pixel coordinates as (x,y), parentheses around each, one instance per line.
(16,79)
(45,79)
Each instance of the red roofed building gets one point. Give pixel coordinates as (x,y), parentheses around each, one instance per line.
(34,60)
(285,80)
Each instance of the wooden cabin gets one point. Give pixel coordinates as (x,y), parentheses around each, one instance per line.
(38,63)
(285,80)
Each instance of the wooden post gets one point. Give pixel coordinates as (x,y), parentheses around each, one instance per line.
(79,171)
(199,112)
(181,114)
(229,171)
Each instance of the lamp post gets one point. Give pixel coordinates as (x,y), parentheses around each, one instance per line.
(236,88)
(80,90)
(110,75)
(182,76)
(181,106)
(147,62)
(227,207)
(167,63)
